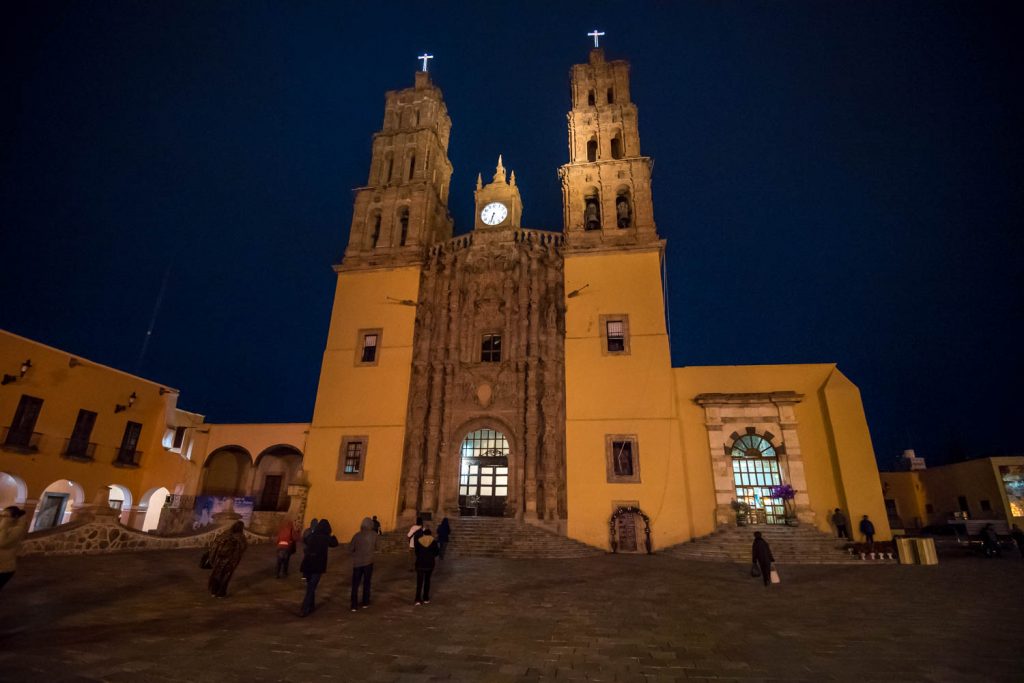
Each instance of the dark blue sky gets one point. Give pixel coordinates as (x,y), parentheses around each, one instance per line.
(837,181)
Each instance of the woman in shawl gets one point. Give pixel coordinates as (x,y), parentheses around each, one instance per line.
(225,555)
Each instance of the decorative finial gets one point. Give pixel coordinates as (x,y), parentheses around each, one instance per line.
(499,172)
(424,57)
(479,181)
(512,179)
(595,34)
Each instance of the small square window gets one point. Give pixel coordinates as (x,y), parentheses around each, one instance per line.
(368,347)
(490,350)
(615,335)
(622,458)
(352,458)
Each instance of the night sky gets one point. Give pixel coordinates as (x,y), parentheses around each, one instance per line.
(837,182)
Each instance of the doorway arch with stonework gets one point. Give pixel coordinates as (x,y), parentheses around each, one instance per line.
(484,473)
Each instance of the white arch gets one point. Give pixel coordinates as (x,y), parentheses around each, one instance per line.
(12,490)
(117,492)
(152,502)
(73,495)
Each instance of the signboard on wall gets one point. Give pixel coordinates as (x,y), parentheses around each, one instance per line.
(208,506)
(1013,484)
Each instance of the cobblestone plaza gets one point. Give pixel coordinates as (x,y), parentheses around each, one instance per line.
(148,617)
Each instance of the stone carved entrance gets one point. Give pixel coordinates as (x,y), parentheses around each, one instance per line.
(483,475)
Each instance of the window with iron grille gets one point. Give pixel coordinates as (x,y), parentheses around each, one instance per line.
(368,344)
(352,458)
(490,351)
(615,334)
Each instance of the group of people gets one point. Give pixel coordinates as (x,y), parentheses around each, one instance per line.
(867,527)
(227,549)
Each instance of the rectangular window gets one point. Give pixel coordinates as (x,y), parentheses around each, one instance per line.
(962,502)
(490,351)
(615,335)
(179,437)
(78,444)
(368,347)
(352,458)
(986,506)
(128,454)
(622,458)
(21,433)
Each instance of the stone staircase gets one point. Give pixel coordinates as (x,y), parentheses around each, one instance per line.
(791,545)
(498,537)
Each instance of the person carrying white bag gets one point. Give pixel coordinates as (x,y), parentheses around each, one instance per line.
(762,558)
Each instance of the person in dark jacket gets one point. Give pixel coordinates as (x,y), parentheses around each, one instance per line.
(761,555)
(225,555)
(314,563)
(1018,537)
(444,530)
(310,529)
(839,519)
(990,540)
(426,549)
(376,526)
(868,529)
(362,546)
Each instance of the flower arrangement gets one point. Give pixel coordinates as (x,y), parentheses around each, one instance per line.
(787,494)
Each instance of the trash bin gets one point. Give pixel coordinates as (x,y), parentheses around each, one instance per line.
(905,548)
(925,548)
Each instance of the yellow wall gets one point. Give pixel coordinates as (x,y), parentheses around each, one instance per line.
(907,490)
(620,394)
(368,401)
(87,385)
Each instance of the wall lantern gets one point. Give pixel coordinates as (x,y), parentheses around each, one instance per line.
(119,408)
(25,367)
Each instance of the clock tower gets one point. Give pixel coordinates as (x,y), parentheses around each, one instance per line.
(498,204)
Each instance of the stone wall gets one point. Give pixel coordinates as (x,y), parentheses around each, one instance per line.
(105,534)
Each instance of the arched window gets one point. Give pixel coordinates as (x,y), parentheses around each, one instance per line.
(403,220)
(623,210)
(755,468)
(591,99)
(375,235)
(611,96)
(592,149)
(592,212)
(617,146)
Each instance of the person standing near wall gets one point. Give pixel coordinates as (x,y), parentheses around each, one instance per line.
(426,549)
(868,529)
(224,556)
(314,562)
(13,527)
(363,543)
(839,519)
(444,531)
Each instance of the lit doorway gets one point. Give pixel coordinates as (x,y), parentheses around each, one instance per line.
(755,469)
(483,476)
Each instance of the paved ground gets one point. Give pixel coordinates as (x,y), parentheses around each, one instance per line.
(147,617)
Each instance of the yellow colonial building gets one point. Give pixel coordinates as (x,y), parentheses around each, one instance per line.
(526,372)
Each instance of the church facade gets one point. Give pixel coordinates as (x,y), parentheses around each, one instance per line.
(526,373)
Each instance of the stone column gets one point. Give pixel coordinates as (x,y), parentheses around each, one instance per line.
(795,476)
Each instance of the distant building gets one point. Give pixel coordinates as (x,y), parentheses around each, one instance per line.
(982,489)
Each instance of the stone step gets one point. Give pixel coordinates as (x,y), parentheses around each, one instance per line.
(791,545)
(499,537)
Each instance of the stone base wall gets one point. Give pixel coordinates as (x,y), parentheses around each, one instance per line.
(266,523)
(105,534)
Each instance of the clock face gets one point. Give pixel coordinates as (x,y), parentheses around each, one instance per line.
(494,213)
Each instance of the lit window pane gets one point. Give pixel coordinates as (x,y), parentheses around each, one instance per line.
(486,480)
(501,481)
(501,491)
(463,490)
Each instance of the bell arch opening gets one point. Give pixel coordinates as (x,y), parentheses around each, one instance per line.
(483,473)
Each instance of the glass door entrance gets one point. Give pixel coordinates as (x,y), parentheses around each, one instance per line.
(483,476)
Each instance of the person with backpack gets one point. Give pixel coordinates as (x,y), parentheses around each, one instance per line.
(362,546)
(426,549)
(314,562)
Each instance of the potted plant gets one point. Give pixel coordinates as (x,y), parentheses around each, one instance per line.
(742,512)
(787,494)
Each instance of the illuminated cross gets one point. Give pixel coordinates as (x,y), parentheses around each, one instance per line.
(425,57)
(595,34)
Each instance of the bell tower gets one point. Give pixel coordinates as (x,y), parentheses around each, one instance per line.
(498,204)
(606,186)
(403,208)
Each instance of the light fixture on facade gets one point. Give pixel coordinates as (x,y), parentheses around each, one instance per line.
(576,292)
(120,408)
(25,367)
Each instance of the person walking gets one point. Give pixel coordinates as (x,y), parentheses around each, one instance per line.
(868,529)
(761,555)
(444,531)
(314,561)
(225,555)
(1018,537)
(990,540)
(839,519)
(426,549)
(287,537)
(414,531)
(13,527)
(363,543)
(376,526)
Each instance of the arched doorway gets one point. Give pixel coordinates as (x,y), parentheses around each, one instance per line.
(483,473)
(153,503)
(755,470)
(276,468)
(12,490)
(120,498)
(228,470)
(56,504)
